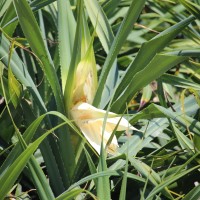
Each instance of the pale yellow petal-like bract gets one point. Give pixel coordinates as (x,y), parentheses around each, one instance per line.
(90,121)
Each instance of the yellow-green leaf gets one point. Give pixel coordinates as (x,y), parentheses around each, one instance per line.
(14,88)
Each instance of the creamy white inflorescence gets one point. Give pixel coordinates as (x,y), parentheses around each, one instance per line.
(90,121)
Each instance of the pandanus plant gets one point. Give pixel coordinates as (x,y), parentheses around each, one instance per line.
(93,105)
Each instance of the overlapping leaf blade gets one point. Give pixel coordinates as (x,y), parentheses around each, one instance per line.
(17,166)
(139,65)
(34,37)
(125,28)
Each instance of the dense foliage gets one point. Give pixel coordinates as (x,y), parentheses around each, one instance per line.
(146,53)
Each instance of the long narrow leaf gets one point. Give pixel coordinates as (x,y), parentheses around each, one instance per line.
(179,82)
(149,49)
(34,37)
(66,33)
(8,179)
(159,64)
(125,28)
(159,188)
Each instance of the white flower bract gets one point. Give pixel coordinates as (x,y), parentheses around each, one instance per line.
(90,121)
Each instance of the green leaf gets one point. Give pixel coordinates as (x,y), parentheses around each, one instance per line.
(184,141)
(146,171)
(7,27)
(91,165)
(124,182)
(70,195)
(101,24)
(125,28)
(75,59)
(19,70)
(196,140)
(33,35)
(14,88)
(179,82)
(149,173)
(22,74)
(143,77)
(9,177)
(191,7)
(181,118)
(146,95)
(147,113)
(194,194)
(99,174)
(168,181)
(4,6)
(106,37)
(28,135)
(103,189)
(66,33)
(36,173)
(1,69)
(37,4)
(103,186)
(149,50)
(110,6)
(39,179)
(156,126)
(17,150)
